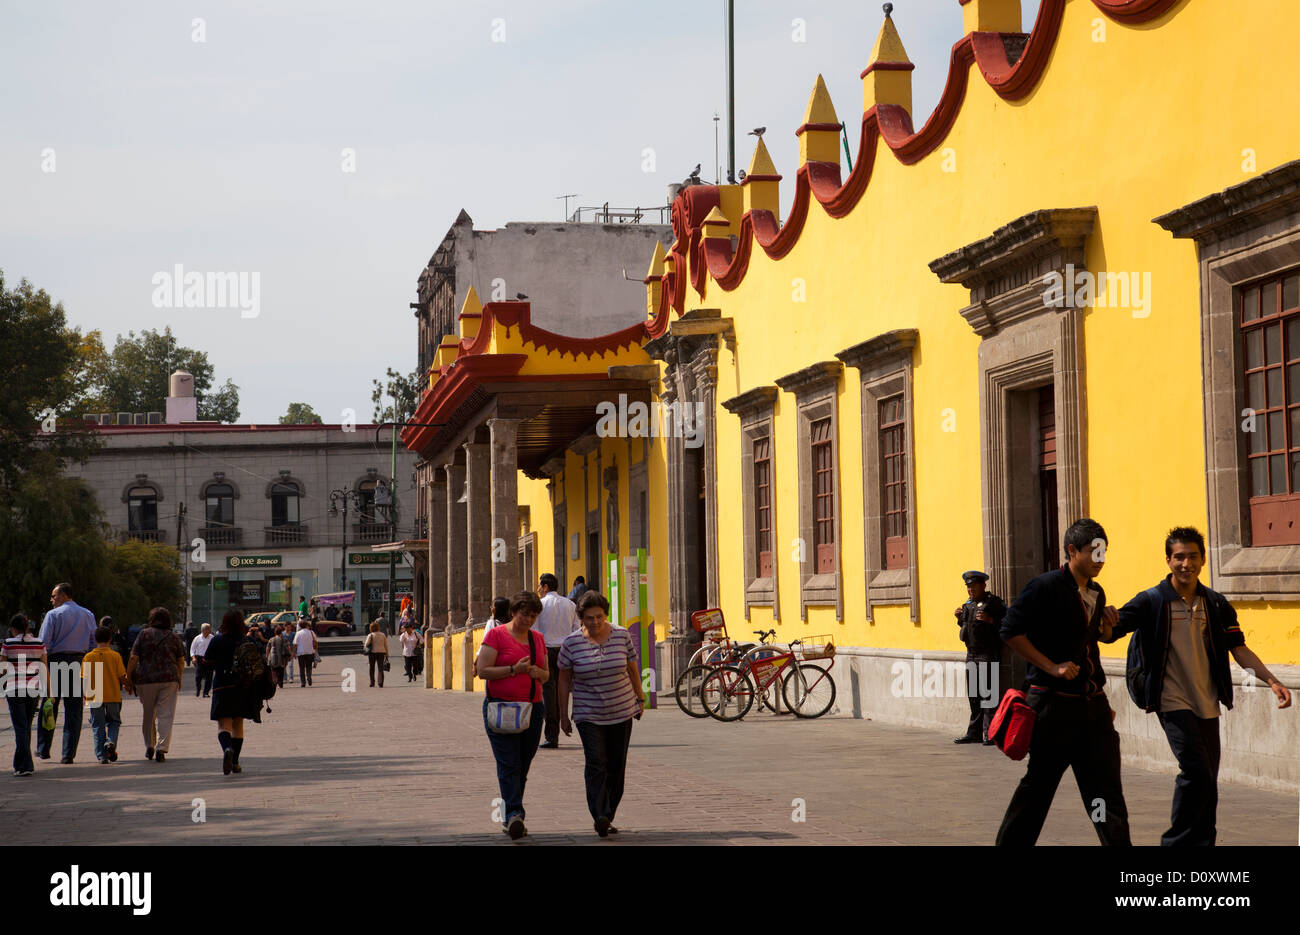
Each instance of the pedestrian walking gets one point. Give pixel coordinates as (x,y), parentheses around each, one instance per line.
(980,619)
(598,668)
(558,619)
(234,701)
(411,643)
(154,674)
(289,630)
(304,644)
(68,632)
(1178,670)
(202,671)
(512,660)
(104,676)
(1055,624)
(26,654)
(278,653)
(376,649)
(500,614)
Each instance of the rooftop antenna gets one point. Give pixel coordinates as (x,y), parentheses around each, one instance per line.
(566,203)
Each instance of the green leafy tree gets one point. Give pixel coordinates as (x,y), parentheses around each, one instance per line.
(300,414)
(134,377)
(405,387)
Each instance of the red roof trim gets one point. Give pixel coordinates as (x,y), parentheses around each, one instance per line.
(887,66)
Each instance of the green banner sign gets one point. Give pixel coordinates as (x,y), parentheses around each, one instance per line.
(370,558)
(253,561)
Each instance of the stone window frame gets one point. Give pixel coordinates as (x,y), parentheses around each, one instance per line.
(884,364)
(1242,234)
(756,410)
(816,392)
(1026,343)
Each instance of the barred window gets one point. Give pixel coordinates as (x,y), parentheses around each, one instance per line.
(763,505)
(823,496)
(893,479)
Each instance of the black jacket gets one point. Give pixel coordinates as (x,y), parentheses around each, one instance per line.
(1050,613)
(982,638)
(1147,618)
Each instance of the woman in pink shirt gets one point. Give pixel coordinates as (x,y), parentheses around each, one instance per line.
(512,661)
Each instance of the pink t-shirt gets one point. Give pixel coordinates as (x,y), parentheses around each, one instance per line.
(509,651)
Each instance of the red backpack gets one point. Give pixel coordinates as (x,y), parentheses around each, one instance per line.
(1012,726)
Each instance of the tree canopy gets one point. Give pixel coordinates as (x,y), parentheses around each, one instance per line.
(405,387)
(300,414)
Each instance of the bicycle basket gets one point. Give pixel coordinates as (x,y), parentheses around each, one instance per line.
(709,621)
(816,647)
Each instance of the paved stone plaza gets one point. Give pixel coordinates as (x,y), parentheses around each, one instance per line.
(405,765)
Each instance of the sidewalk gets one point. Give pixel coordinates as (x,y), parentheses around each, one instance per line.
(404,765)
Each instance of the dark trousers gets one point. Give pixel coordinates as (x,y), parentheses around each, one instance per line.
(552,730)
(514,754)
(278,672)
(304,669)
(377,663)
(21,711)
(605,746)
(408,662)
(1195,742)
(1077,733)
(980,716)
(72,714)
(203,678)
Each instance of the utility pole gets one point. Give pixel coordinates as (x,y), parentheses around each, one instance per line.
(717,163)
(185,564)
(731,91)
(392,506)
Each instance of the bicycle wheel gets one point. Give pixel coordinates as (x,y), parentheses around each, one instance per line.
(727,693)
(689,684)
(809,690)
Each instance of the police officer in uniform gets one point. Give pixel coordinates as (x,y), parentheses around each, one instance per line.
(980,619)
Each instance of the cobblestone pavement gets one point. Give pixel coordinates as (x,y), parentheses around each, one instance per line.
(404,765)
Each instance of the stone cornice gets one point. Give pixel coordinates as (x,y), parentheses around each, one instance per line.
(1270,195)
(752,401)
(1018,243)
(882,348)
(809,379)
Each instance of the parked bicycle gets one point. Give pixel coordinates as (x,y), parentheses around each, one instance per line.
(716,649)
(727,691)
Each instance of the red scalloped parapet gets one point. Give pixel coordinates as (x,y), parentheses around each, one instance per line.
(1012,81)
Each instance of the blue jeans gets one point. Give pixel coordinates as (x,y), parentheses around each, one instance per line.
(72,712)
(514,754)
(105,719)
(21,712)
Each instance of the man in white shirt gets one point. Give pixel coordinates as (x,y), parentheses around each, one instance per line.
(202,671)
(304,644)
(559,618)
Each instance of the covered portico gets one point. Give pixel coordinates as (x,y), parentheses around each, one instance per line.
(504,397)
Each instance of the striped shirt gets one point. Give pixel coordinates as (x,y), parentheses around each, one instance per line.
(602,691)
(23,654)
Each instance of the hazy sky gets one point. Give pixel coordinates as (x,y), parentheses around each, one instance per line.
(226,155)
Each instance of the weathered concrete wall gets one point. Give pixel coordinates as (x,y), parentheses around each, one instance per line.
(571,273)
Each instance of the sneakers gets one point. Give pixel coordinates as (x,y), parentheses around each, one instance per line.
(159,757)
(227,762)
(515,828)
(103,760)
(602,827)
(111,750)
(24,772)
(550,745)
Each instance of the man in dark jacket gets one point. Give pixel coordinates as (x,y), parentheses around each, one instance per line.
(1054,624)
(1178,668)
(980,618)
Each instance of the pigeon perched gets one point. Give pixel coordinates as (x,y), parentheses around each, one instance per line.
(520,295)
(758,132)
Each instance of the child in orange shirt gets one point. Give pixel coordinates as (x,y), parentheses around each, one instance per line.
(102,676)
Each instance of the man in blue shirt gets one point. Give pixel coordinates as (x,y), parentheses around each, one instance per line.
(68,633)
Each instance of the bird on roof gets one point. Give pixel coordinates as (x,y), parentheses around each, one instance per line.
(758,132)
(520,296)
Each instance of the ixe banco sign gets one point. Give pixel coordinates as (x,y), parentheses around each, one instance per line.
(253,561)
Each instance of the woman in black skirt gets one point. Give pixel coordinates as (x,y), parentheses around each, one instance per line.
(232,703)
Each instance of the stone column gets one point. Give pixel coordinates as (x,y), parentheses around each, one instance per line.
(436,511)
(505,506)
(706,381)
(456,577)
(478,531)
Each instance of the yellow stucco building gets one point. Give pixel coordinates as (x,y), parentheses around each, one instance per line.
(1071,291)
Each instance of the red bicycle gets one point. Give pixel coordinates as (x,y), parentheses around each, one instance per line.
(728,691)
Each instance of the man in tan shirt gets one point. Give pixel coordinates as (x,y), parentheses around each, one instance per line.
(1178,668)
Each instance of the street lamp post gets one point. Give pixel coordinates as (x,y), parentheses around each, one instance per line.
(337,496)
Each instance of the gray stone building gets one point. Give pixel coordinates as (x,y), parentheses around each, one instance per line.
(260,508)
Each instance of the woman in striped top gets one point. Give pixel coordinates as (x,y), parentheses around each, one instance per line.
(25,662)
(598,667)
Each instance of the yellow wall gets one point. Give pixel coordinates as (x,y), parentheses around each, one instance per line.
(1138,125)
